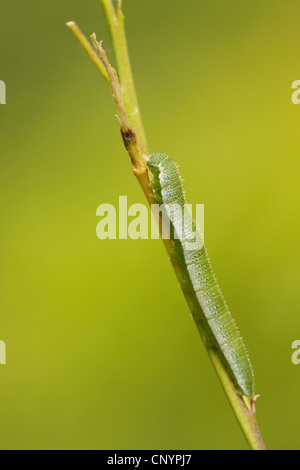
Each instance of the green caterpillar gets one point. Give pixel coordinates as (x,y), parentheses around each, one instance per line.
(207,304)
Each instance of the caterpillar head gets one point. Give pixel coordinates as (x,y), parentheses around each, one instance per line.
(155,160)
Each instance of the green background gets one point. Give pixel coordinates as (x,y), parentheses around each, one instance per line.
(101,349)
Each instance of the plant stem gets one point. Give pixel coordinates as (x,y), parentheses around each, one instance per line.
(135,142)
(129,136)
(245,417)
(88,48)
(115,20)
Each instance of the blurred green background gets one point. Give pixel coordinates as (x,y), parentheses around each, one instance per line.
(101,349)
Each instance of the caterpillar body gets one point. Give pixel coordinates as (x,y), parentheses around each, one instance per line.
(207,303)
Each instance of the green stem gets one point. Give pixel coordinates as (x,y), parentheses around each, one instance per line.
(115,20)
(245,417)
(88,48)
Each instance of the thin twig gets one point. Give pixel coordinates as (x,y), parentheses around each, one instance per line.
(115,19)
(114,84)
(245,417)
(88,48)
(128,133)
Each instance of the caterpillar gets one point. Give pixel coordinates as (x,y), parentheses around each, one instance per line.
(207,304)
